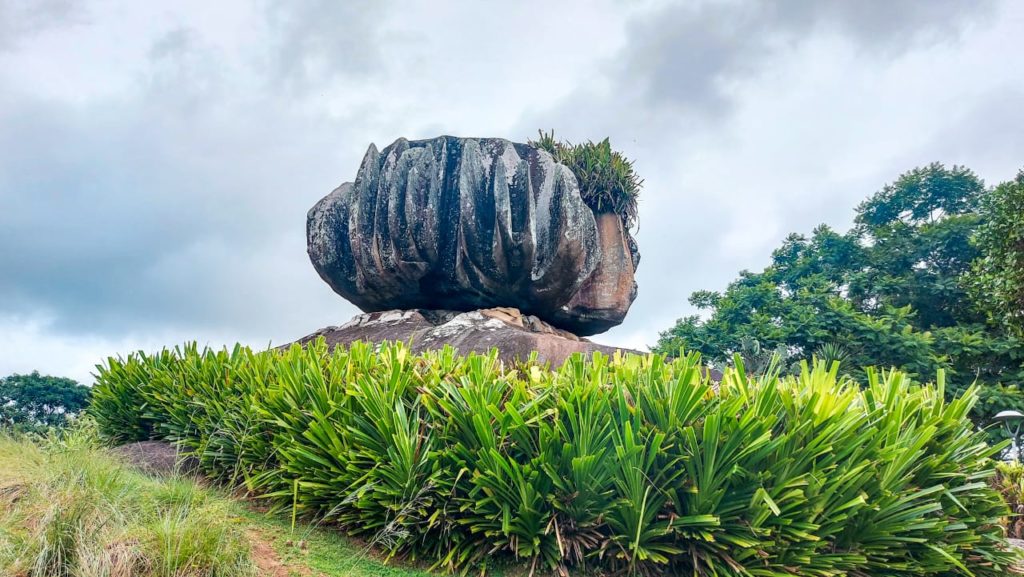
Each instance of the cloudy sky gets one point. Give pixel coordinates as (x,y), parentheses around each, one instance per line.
(157,159)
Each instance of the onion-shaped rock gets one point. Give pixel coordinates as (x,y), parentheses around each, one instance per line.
(465,224)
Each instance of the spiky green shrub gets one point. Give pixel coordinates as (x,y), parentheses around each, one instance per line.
(608,183)
(122,410)
(635,464)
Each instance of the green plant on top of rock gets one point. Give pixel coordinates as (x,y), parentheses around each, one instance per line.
(607,180)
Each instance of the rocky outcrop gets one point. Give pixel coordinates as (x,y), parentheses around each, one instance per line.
(157,458)
(466,224)
(515,335)
(603,299)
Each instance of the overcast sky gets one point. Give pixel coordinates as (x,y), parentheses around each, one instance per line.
(157,162)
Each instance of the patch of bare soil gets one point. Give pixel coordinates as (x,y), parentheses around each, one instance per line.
(268,561)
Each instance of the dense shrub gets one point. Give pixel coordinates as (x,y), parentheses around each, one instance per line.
(993,399)
(631,464)
(1009,481)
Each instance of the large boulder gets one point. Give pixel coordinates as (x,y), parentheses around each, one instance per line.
(466,224)
(515,335)
(157,458)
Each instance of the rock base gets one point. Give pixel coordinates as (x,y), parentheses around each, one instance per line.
(157,458)
(514,334)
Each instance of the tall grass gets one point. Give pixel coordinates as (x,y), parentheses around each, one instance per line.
(69,509)
(633,464)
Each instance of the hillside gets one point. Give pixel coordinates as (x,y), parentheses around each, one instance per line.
(69,507)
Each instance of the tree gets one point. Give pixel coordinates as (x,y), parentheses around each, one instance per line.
(893,291)
(997,282)
(36,400)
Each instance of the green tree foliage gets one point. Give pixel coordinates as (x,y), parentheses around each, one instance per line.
(893,291)
(606,177)
(35,401)
(998,275)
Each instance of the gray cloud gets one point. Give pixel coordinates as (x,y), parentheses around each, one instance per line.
(688,56)
(164,207)
(986,135)
(21,19)
(694,82)
(156,168)
(315,41)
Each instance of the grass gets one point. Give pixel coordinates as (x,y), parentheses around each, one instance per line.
(310,550)
(69,508)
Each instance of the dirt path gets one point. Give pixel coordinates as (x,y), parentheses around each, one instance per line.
(268,561)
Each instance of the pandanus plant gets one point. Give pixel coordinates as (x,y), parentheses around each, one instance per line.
(632,464)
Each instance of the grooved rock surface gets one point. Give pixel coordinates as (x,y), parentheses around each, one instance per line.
(465,224)
(514,334)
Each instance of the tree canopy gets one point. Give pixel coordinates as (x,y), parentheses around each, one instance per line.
(36,400)
(998,275)
(895,290)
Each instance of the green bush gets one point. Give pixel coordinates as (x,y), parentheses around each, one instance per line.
(606,178)
(993,399)
(120,411)
(633,464)
(1009,481)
